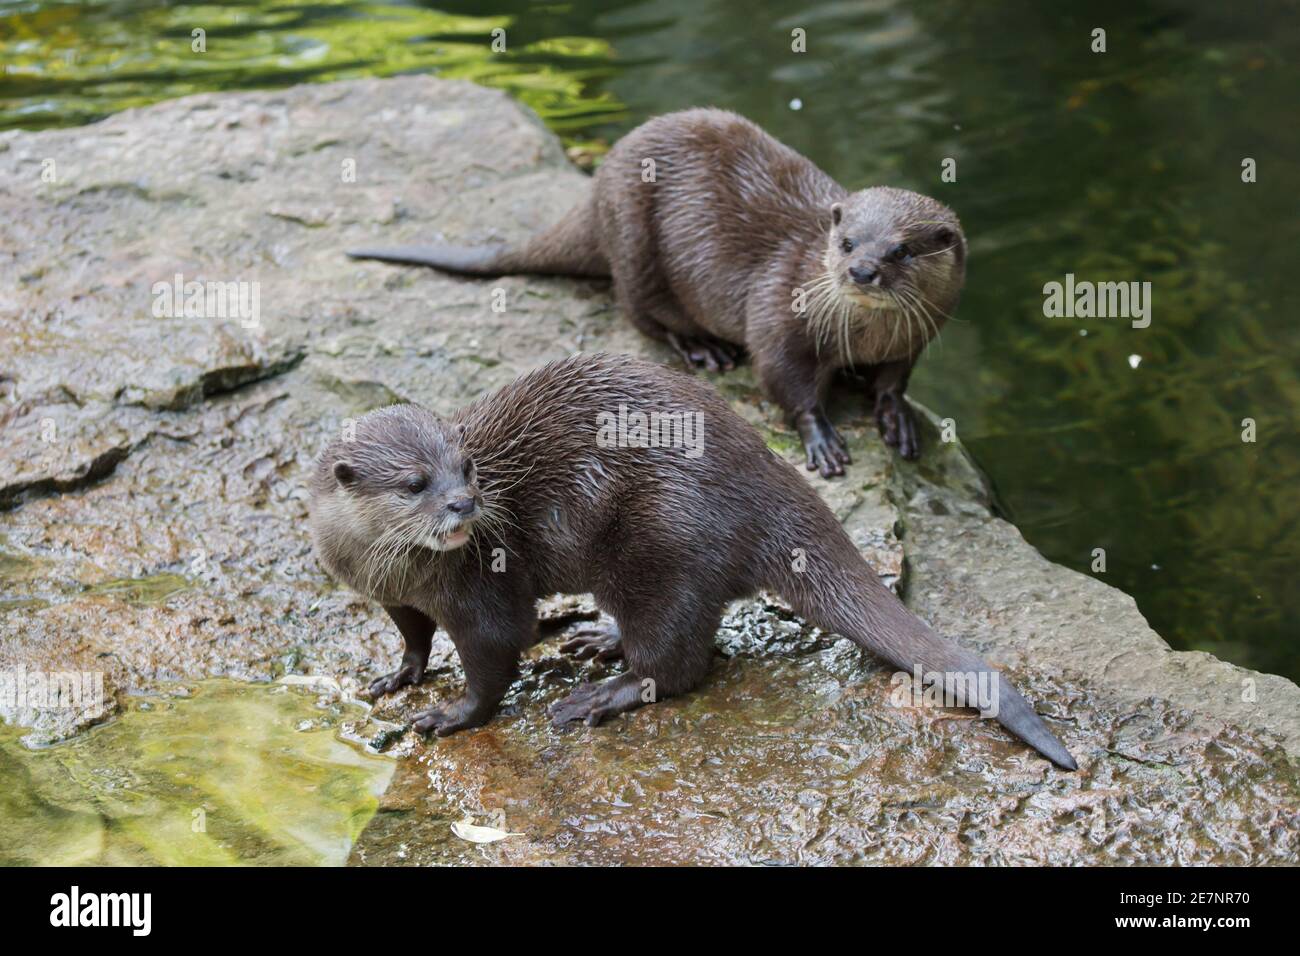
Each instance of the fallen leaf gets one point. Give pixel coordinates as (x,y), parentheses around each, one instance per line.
(467,830)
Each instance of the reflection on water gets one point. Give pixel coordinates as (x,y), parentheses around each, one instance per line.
(1119,166)
(232,774)
(75,62)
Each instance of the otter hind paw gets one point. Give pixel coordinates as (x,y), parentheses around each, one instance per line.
(462,713)
(706,352)
(598,642)
(592,703)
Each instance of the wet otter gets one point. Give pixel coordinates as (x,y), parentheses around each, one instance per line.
(527,492)
(718,237)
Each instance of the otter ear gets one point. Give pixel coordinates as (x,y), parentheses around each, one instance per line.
(837,213)
(344,473)
(944,236)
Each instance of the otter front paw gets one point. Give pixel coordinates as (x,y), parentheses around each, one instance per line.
(822,445)
(405,676)
(451,716)
(897,425)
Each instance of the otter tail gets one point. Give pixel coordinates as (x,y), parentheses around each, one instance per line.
(845,596)
(569,248)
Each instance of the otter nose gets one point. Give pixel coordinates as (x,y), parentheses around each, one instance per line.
(863,275)
(462,506)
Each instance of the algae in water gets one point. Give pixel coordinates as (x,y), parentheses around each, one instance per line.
(234,774)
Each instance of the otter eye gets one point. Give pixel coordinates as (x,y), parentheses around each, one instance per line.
(900,252)
(416,485)
(847,245)
(469,471)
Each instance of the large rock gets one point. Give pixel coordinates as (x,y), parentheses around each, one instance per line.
(153,471)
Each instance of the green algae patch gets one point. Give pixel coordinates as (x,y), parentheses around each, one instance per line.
(228,773)
(15,567)
(152,589)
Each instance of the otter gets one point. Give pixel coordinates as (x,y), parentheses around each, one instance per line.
(720,239)
(533,490)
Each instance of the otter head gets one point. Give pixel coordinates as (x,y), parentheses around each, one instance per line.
(403,482)
(895,249)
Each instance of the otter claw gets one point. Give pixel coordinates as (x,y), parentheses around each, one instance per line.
(404,676)
(598,642)
(711,354)
(447,718)
(897,425)
(823,447)
(592,703)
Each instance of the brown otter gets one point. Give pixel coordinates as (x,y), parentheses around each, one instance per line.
(532,491)
(718,236)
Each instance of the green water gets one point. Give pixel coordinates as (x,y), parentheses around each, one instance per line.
(1121,166)
(230,773)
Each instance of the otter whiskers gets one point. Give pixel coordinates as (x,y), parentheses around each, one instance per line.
(390,551)
(831,315)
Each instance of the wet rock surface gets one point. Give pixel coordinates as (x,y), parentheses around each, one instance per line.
(152,474)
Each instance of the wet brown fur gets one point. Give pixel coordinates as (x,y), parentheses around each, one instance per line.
(664,541)
(711,256)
